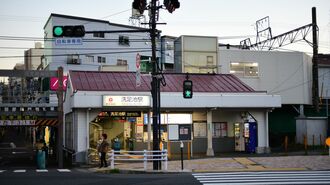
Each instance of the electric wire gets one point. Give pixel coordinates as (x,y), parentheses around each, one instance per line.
(287,79)
(298,85)
(70,54)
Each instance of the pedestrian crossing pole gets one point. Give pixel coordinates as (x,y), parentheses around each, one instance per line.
(60,118)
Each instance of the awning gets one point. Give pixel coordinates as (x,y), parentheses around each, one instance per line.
(46,122)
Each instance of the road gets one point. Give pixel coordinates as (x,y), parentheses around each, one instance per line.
(283,177)
(54,176)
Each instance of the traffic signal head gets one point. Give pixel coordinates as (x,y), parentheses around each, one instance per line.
(139,5)
(69,31)
(171,5)
(187,89)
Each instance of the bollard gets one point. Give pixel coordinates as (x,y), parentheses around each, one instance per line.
(181,147)
(188,151)
(305,144)
(286,143)
(169,150)
(313,143)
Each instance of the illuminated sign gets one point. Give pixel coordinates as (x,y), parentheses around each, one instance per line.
(54,83)
(123,101)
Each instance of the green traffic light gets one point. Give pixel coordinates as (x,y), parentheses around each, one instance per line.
(58,31)
(188,93)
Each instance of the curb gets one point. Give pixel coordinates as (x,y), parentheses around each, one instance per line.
(132,171)
(249,170)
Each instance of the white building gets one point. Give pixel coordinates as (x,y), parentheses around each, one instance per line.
(288,74)
(33,57)
(96,51)
(109,102)
(196,54)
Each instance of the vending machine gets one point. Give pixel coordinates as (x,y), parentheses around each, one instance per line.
(250,136)
(239,139)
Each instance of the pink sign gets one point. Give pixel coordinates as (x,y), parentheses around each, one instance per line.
(54,83)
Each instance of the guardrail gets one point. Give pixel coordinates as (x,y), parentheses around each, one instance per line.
(145,156)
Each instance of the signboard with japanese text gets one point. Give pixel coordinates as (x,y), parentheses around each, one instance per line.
(122,101)
(17,122)
(68,41)
(178,132)
(126,114)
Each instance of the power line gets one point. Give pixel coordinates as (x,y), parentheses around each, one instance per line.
(101,53)
(287,79)
(20,48)
(53,39)
(87,22)
(295,86)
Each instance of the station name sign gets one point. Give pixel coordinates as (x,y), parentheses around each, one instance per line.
(123,101)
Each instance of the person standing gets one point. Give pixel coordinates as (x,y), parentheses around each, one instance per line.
(103,149)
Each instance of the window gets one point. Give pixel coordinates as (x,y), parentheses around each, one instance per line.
(98,34)
(244,69)
(219,129)
(199,129)
(101,59)
(121,62)
(123,40)
(169,46)
(209,61)
(90,59)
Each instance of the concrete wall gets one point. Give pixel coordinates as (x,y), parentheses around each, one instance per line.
(311,127)
(287,74)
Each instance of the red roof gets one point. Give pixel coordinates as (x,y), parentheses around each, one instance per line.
(125,81)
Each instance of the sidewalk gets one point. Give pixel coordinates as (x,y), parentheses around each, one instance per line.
(286,163)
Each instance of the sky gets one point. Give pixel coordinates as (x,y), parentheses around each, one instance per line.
(221,18)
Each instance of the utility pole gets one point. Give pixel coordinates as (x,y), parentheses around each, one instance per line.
(155,82)
(315,84)
(154,7)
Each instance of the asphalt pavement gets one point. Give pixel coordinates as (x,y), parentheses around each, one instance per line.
(85,177)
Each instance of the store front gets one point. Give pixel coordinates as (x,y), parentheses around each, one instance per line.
(206,123)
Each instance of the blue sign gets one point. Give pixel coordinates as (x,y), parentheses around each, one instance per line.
(68,41)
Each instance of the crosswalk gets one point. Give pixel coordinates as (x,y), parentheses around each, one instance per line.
(249,178)
(35,170)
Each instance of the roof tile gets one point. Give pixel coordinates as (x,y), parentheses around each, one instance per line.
(125,81)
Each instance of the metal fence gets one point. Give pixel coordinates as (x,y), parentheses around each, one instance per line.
(143,156)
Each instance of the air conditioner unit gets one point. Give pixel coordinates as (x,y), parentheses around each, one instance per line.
(74,59)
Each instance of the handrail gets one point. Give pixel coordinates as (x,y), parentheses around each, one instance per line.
(147,156)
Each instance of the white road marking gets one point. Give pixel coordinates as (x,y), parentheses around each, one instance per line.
(247,178)
(41,170)
(19,171)
(63,170)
